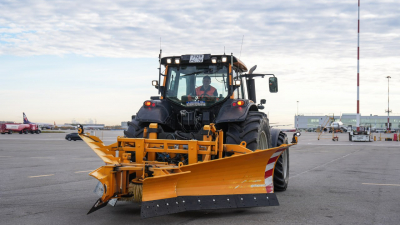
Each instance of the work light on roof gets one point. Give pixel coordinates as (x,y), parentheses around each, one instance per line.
(177,61)
(224,59)
(214,59)
(169,60)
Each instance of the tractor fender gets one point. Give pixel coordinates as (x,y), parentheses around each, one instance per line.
(274,137)
(154,114)
(229,113)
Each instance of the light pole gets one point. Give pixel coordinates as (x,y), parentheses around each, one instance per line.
(388,111)
(297,128)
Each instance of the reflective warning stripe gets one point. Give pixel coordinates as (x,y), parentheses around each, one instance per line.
(269,170)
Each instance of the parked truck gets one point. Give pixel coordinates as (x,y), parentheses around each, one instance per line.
(19,127)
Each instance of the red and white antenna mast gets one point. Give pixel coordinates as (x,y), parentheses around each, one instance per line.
(358,71)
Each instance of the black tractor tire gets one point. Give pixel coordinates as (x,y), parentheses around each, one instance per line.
(281,171)
(135,129)
(254,131)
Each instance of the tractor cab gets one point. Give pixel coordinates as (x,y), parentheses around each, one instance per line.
(197,90)
(201,80)
(197,85)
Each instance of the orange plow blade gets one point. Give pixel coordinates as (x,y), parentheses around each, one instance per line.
(234,182)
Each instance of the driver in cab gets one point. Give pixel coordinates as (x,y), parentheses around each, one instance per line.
(206,90)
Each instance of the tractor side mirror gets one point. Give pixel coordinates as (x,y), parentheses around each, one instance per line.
(263,101)
(273,84)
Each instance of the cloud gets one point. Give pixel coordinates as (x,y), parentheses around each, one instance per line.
(310,45)
(133,29)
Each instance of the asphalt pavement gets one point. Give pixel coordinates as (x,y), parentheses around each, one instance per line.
(44,180)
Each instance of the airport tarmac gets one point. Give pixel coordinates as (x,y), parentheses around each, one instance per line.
(44,180)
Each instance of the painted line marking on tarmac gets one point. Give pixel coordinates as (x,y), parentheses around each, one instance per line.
(84,171)
(39,157)
(360,144)
(398,185)
(48,175)
(323,164)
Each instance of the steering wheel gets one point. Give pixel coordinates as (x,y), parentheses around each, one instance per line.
(206,97)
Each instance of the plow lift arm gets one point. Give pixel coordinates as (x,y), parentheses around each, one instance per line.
(213,175)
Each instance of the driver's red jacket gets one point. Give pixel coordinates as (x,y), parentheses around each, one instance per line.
(210,92)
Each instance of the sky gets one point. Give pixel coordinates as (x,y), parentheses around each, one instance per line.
(94,60)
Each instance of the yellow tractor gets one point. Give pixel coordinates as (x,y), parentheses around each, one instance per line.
(201,144)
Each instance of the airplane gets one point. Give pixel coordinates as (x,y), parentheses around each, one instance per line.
(279,125)
(289,130)
(41,125)
(336,125)
(74,126)
(93,127)
(65,126)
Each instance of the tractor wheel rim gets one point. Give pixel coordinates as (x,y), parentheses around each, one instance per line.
(262,141)
(284,164)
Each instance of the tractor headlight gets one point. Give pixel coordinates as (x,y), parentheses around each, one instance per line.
(224,59)
(169,61)
(214,59)
(177,61)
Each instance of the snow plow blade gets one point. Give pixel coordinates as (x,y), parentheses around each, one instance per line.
(232,182)
(243,179)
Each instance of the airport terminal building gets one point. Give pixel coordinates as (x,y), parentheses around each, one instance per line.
(375,121)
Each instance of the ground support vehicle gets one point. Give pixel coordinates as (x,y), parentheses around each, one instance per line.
(363,135)
(19,128)
(73,137)
(195,146)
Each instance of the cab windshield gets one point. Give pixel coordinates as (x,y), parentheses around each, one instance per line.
(197,85)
